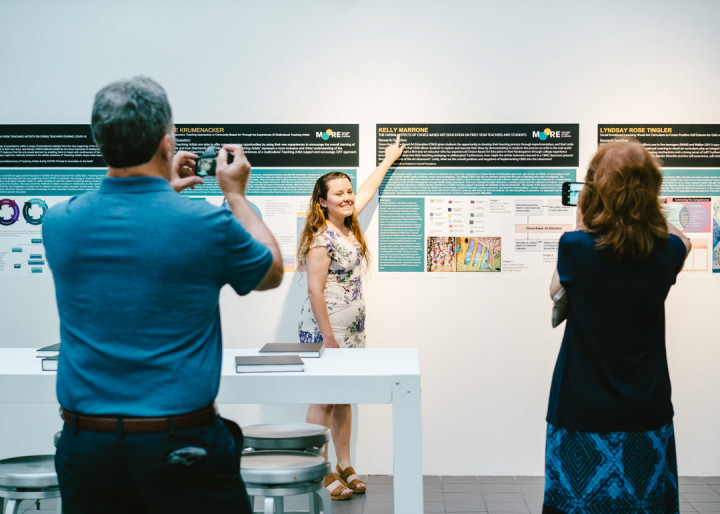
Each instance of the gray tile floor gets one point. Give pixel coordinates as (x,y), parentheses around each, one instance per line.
(464,494)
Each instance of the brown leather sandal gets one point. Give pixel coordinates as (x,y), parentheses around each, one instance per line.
(336,487)
(353,481)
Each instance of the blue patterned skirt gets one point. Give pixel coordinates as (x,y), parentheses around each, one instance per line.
(623,472)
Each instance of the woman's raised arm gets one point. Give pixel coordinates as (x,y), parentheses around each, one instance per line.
(368,188)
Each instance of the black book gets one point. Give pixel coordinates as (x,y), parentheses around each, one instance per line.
(301,349)
(268,363)
(50,363)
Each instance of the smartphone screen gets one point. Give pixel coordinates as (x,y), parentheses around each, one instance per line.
(205,167)
(571,192)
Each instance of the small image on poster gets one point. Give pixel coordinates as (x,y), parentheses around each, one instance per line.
(478,253)
(441,254)
(693,217)
(688,214)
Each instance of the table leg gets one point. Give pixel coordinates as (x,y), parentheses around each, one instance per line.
(407,446)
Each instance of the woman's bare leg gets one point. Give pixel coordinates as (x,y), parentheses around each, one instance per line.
(324,415)
(340,427)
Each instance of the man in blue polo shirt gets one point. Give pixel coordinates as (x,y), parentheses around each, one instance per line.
(138,270)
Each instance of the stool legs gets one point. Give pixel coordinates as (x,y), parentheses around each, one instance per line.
(320,502)
(273,505)
(314,503)
(11,506)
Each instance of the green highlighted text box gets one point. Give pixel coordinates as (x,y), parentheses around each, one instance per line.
(402,227)
(691,182)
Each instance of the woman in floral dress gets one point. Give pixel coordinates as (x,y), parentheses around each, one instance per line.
(342,293)
(333,250)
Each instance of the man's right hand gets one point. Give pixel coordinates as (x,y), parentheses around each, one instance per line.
(233,177)
(182,171)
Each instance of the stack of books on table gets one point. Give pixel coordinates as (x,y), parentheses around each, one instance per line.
(49,356)
(278,357)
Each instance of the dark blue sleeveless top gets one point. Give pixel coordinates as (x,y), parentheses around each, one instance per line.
(611,373)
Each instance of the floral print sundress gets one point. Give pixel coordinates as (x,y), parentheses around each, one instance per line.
(343,293)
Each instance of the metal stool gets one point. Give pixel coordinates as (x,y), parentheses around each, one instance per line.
(305,437)
(27,478)
(277,474)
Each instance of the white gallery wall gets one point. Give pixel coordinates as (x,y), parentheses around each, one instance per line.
(486,347)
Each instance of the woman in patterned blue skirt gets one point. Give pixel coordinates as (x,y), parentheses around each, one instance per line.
(610,444)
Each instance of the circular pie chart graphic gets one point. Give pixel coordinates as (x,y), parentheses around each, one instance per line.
(9,211)
(34,211)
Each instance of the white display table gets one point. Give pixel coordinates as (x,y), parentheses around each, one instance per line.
(368,375)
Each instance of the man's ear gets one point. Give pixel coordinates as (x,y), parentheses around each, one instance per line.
(166,148)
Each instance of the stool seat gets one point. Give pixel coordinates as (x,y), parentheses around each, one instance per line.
(34,471)
(286,436)
(282,467)
(276,474)
(27,478)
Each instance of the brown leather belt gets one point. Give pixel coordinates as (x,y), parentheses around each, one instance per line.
(126,424)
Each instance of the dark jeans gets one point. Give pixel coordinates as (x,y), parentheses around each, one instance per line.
(193,470)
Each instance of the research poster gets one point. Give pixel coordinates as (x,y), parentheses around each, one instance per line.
(41,165)
(690,157)
(483,198)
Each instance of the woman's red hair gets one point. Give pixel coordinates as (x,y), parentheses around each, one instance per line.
(620,204)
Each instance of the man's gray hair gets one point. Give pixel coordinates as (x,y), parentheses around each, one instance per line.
(129,119)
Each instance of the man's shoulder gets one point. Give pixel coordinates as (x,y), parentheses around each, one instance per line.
(66,207)
(200,210)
